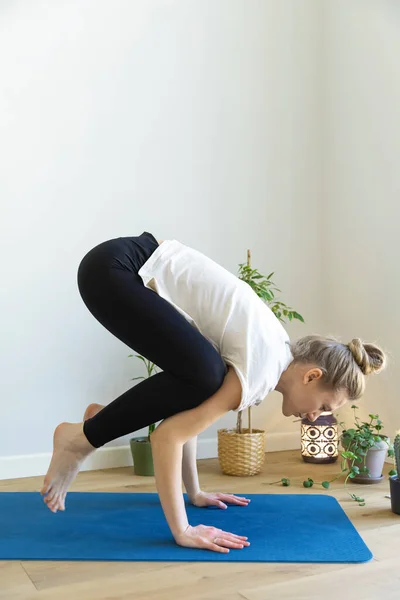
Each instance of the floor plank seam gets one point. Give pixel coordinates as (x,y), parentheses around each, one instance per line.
(29,577)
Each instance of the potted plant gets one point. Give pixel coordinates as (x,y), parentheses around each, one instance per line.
(364,452)
(141,446)
(365,448)
(395,478)
(241,452)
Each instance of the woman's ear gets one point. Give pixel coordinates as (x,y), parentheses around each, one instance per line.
(312,374)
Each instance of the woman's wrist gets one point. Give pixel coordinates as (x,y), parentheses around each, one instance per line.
(193,495)
(181,532)
(167,459)
(189,468)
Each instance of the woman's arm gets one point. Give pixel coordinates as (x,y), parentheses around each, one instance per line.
(167,446)
(189,468)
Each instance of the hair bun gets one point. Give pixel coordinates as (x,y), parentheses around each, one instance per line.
(370,358)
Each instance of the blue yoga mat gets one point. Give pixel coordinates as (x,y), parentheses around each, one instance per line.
(132,527)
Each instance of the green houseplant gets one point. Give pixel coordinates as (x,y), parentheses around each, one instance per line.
(365,448)
(395,478)
(241,451)
(141,446)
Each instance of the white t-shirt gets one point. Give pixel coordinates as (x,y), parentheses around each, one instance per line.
(225,309)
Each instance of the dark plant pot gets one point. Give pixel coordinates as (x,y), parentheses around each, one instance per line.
(395,494)
(374,461)
(142,456)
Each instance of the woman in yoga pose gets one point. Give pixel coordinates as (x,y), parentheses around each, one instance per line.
(220,349)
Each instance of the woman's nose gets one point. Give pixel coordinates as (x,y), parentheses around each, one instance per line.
(313,416)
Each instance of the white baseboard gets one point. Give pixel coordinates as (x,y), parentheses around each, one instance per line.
(31,465)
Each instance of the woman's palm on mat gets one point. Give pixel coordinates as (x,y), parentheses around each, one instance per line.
(218,499)
(210,538)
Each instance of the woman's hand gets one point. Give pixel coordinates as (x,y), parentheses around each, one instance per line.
(210,538)
(217,499)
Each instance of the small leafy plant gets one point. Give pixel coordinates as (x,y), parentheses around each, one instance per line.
(358,440)
(151,370)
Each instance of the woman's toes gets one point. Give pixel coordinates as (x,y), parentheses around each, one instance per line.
(53,502)
(49,496)
(58,503)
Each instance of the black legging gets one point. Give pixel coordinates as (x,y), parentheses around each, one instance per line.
(114,293)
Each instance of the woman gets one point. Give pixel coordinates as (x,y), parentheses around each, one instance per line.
(220,349)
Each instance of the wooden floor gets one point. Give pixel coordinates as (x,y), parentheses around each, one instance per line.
(379,527)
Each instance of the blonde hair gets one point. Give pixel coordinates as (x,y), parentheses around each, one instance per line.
(344,366)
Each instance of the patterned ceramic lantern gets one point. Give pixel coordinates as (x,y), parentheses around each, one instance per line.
(320,439)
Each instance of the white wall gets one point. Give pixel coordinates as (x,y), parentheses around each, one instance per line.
(362,185)
(227,124)
(190,119)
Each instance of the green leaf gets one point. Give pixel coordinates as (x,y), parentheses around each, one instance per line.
(326,485)
(285,481)
(266,296)
(297,316)
(134,378)
(350,433)
(392,473)
(141,358)
(308,483)
(357,499)
(350,455)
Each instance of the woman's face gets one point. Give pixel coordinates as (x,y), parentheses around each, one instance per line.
(305,395)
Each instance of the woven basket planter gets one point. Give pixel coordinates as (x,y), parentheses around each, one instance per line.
(241,454)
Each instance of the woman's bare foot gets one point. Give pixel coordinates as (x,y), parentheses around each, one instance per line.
(70,448)
(92,410)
